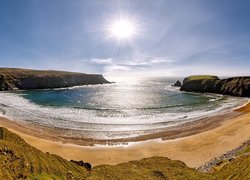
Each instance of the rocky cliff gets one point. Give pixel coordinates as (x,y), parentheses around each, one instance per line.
(235,86)
(11,79)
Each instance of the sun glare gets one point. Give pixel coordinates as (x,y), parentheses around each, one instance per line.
(122,29)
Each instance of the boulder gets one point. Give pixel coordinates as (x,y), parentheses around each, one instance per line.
(177,84)
(86,165)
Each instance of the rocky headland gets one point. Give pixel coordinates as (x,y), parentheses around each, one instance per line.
(22,79)
(235,86)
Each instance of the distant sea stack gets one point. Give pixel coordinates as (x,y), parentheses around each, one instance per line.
(177,84)
(235,86)
(24,79)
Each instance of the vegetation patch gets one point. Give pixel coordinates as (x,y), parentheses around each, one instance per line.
(200,77)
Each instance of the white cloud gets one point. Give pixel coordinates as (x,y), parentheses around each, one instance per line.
(102,61)
(158,60)
(139,64)
(146,61)
(117,68)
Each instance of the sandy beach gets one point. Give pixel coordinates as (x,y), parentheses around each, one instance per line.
(206,140)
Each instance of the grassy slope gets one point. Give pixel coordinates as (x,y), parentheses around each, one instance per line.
(237,169)
(149,168)
(18,159)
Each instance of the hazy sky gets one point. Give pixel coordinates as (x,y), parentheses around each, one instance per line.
(173,37)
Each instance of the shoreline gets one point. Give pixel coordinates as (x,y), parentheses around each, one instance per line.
(226,132)
(188,128)
(170,133)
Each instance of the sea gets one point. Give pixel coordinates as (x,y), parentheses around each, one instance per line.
(124,109)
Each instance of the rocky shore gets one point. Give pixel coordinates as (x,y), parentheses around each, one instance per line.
(225,158)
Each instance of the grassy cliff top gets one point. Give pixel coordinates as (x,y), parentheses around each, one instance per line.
(200,77)
(18,72)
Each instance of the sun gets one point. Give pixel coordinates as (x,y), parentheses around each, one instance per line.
(122,29)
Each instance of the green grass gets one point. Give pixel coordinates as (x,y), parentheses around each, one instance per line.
(201,77)
(19,159)
(245,151)
(236,169)
(150,168)
(26,72)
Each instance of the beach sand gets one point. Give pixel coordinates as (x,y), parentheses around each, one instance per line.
(203,144)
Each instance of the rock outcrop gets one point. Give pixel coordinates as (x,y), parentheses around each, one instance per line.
(235,86)
(86,165)
(11,79)
(177,84)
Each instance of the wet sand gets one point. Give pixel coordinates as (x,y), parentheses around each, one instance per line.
(194,144)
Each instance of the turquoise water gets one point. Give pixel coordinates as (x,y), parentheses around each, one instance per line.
(110,111)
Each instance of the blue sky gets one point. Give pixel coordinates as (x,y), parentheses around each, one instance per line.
(175,37)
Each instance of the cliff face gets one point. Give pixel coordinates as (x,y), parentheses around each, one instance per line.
(236,86)
(11,79)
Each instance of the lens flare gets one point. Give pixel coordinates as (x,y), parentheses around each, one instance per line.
(122,29)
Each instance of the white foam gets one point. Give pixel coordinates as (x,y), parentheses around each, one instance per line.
(18,108)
